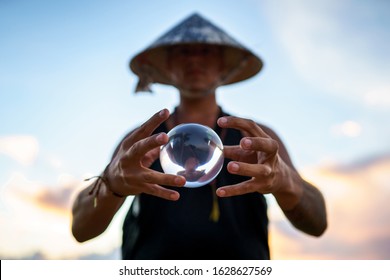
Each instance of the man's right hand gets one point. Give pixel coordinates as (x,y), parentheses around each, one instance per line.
(129,174)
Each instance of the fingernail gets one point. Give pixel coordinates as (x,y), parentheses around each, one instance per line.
(178,181)
(221,192)
(234,167)
(174,196)
(162,113)
(222,120)
(247,143)
(160,137)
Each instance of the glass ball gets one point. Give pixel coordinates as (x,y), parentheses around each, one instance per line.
(193,151)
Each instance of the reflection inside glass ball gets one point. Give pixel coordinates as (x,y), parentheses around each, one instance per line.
(193,151)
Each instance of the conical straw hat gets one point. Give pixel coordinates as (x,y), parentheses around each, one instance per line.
(150,65)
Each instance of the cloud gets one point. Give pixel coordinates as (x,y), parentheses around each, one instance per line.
(55,199)
(348,129)
(22,148)
(51,197)
(54,162)
(358,210)
(38,216)
(337,46)
(34,200)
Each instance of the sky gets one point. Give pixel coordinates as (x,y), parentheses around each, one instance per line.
(67,98)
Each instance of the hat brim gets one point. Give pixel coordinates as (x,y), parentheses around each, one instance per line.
(239,64)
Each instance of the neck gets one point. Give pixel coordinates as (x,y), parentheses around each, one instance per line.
(202,110)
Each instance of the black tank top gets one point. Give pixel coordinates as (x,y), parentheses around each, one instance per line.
(158,229)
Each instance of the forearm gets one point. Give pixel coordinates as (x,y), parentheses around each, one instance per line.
(309,215)
(92,214)
(303,205)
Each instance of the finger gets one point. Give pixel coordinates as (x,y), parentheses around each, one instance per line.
(147,128)
(150,157)
(138,150)
(249,127)
(249,170)
(162,192)
(238,189)
(266,145)
(238,154)
(154,177)
(233,152)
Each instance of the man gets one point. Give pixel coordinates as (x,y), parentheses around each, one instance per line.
(226,219)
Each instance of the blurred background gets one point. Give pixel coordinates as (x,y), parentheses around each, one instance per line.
(66,99)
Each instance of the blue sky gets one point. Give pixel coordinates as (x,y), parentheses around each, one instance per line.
(66,99)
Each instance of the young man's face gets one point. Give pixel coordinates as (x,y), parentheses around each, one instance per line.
(195,68)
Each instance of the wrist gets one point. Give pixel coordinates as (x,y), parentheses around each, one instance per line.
(108,186)
(100,181)
(289,188)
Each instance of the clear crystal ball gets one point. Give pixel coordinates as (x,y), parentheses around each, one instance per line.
(193,151)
